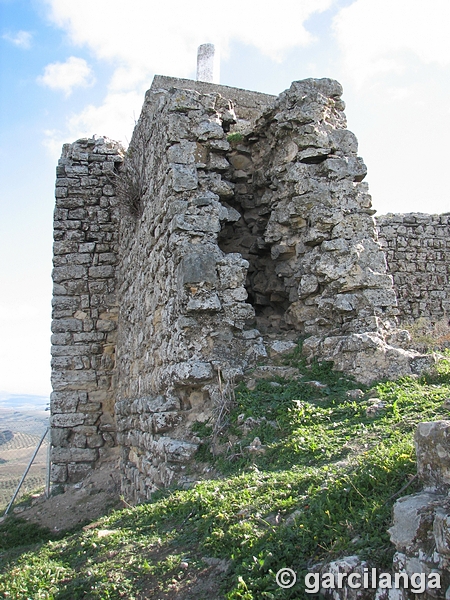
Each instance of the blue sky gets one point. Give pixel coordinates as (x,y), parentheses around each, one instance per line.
(69,69)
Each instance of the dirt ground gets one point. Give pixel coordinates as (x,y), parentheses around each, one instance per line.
(84,502)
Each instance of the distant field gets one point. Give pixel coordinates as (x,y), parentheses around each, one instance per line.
(27,428)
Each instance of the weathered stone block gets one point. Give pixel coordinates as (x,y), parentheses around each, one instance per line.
(58,473)
(184,177)
(441,529)
(74,380)
(102,272)
(209,302)
(95,441)
(64,402)
(66,325)
(197,267)
(105,326)
(66,455)
(178,451)
(65,273)
(67,420)
(188,373)
(182,153)
(165,421)
(209,130)
(411,523)
(432,441)
(60,437)
(78,472)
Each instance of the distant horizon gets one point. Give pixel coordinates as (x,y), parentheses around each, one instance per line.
(23,401)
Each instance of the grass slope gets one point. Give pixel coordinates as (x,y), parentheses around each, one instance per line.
(323,487)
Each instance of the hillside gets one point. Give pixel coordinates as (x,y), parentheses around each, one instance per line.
(305,468)
(23,421)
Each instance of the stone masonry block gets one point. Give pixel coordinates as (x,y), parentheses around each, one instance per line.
(184,177)
(178,451)
(58,473)
(67,420)
(66,455)
(77,472)
(432,441)
(165,421)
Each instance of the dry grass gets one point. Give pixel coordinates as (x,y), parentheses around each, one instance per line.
(427,335)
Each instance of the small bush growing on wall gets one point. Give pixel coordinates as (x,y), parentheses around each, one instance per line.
(235,138)
(131,185)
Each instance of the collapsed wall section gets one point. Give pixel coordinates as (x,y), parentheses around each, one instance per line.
(317,230)
(84,307)
(417,248)
(308,232)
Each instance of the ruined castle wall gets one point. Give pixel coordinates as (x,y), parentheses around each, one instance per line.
(230,237)
(84,307)
(321,232)
(183,313)
(235,219)
(417,248)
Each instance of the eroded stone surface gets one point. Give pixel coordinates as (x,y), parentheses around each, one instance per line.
(85,309)
(432,441)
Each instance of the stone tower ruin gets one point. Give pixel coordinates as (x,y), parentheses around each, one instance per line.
(233,219)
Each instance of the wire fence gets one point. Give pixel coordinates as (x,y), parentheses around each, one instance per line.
(20,434)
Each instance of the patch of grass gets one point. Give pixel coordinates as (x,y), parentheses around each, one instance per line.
(202,430)
(235,138)
(16,532)
(323,488)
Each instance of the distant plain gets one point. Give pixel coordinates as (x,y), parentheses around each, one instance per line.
(26,419)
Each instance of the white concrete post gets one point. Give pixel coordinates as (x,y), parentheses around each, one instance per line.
(208,64)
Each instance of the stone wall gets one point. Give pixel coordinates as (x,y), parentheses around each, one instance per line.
(183,313)
(230,238)
(236,219)
(84,307)
(421,527)
(417,248)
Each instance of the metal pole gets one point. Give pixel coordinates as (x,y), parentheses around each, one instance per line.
(25,474)
(49,462)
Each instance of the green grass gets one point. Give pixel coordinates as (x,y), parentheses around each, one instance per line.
(323,488)
(235,138)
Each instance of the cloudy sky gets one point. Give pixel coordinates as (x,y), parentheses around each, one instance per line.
(74,68)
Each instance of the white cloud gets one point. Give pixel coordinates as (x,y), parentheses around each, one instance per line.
(377,37)
(75,72)
(147,37)
(115,118)
(162,37)
(21,39)
(394,62)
